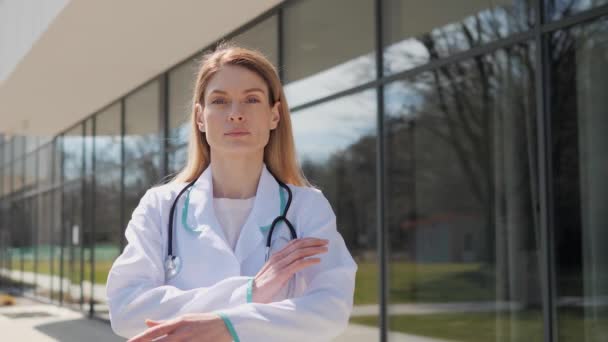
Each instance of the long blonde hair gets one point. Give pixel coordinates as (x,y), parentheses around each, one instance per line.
(279,153)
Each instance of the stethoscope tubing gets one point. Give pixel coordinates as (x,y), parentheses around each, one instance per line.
(282,217)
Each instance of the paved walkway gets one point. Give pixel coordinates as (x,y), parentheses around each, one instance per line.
(35,322)
(32,321)
(99,294)
(47,282)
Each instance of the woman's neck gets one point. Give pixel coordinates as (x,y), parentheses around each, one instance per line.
(235,176)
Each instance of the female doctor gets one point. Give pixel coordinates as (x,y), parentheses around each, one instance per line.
(200,271)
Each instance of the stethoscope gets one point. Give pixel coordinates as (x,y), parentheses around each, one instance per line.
(173,261)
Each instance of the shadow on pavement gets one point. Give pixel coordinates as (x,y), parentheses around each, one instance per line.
(78,330)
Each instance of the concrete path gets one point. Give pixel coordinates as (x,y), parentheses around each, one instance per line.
(47,282)
(98,291)
(36,322)
(33,321)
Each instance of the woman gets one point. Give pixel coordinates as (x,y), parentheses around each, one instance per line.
(209,280)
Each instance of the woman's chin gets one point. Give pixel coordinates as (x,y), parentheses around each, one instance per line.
(240,149)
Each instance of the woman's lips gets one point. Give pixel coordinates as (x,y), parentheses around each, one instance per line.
(237,134)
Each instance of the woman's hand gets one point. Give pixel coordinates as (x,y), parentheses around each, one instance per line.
(282,265)
(189,327)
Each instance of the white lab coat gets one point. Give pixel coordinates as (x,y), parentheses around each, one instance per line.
(214,278)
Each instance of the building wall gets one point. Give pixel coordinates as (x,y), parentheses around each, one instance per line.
(461,150)
(21,24)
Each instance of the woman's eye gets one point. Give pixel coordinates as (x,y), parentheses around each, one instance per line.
(253,100)
(218,101)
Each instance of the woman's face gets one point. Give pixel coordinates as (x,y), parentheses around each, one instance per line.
(235,113)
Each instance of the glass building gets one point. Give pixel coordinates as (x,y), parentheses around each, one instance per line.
(462,145)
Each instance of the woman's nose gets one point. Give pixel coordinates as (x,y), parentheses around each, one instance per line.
(236,115)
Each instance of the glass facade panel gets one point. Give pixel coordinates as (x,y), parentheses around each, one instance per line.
(108,232)
(140,175)
(72,152)
(181,88)
(31,143)
(142,122)
(17,239)
(263,37)
(57,163)
(579,105)
(108,138)
(31,171)
(45,159)
(461,189)
(559,9)
(338,157)
(6,180)
(44,248)
(414,40)
(17,175)
(57,267)
(29,247)
(18,146)
(314,65)
(72,237)
(88,146)
(8,153)
(462,169)
(178,159)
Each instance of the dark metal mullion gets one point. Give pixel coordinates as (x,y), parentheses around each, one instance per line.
(382,234)
(83,211)
(122,242)
(62,220)
(3,247)
(10,201)
(7,198)
(36,232)
(543,110)
(92,235)
(163,104)
(23,207)
(281,44)
(51,213)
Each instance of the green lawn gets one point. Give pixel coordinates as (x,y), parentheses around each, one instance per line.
(469,327)
(410,282)
(524,326)
(102,268)
(104,256)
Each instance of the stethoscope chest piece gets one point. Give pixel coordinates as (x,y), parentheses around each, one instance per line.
(173,265)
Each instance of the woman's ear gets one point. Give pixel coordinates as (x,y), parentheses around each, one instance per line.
(198,111)
(275,115)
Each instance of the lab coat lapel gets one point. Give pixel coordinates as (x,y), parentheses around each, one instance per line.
(266,207)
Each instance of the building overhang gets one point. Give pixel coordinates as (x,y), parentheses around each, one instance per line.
(94,52)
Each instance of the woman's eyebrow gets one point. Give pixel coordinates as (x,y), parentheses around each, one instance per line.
(217,91)
(250,90)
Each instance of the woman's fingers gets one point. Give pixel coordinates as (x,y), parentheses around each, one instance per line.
(300,264)
(300,254)
(155,332)
(153,323)
(283,264)
(297,244)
